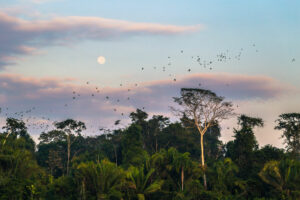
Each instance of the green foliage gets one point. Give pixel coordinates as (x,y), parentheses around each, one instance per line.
(290,123)
(102,180)
(225,178)
(53,136)
(20,175)
(283,175)
(52,156)
(242,149)
(150,159)
(212,143)
(141,183)
(138,117)
(70,125)
(132,147)
(62,188)
(248,123)
(16,129)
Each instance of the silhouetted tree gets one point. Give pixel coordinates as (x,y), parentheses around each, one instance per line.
(132,147)
(290,124)
(241,150)
(71,128)
(15,128)
(205,108)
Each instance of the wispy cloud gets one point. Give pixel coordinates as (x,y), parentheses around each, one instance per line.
(19,36)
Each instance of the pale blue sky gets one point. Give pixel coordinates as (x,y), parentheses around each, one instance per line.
(272,25)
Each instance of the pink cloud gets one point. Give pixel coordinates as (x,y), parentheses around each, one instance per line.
(234,86)
(95,26)
(49,96)
(19,36)
(155,96)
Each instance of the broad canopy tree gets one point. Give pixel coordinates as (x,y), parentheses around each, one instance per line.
(15,128)
(71,128)
(151,129)
(52,151)
(156,124)
(203,108)
(290,124)
(241,150)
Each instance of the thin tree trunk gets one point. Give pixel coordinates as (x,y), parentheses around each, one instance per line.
(182,178)
(116,155)
(204,180)
(155,144)
(83,194)
(202,161)
(69,152)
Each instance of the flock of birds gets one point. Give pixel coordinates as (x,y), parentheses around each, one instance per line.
(31,118)
(42,123)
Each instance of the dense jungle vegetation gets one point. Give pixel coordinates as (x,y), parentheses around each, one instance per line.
(152,158)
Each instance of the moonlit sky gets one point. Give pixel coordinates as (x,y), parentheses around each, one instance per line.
(49,48)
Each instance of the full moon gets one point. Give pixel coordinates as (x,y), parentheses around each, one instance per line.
(101,60)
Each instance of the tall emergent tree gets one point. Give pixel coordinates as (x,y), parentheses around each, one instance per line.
(290,123)
(241,150)
(203,108)
(71,128)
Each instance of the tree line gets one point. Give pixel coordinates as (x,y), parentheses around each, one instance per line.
(153,158)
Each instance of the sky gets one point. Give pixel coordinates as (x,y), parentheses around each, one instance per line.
(246,51)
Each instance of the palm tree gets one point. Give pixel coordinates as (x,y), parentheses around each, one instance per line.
(284,175)
(182,162)
(225,177)
(140,180)
(177,170)
(103,180)
(162,161)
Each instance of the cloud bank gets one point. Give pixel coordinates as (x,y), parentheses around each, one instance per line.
(21,37)
(20,92)
(53,100)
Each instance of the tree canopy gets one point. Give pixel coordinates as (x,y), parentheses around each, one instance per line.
(152,158)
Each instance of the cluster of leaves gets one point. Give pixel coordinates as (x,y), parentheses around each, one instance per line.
(150,159)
